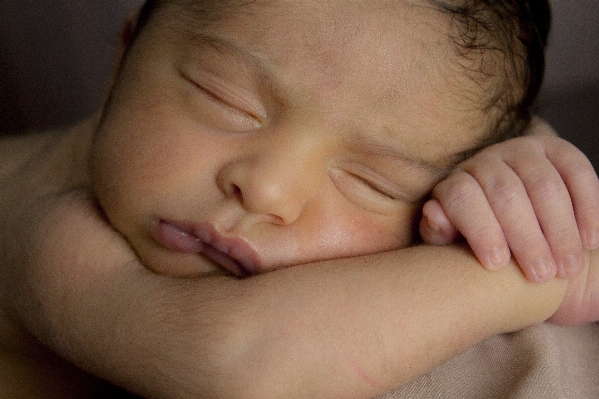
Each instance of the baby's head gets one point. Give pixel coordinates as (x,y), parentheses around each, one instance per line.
(241,136)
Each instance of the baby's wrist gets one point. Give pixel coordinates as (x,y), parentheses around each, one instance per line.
(530,303)
(578,305)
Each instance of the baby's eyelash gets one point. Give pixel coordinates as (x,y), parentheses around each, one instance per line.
(364,192)
(229,100)
(220,109)
(220,100)
(374,186)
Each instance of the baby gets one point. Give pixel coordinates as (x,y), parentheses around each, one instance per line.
(226,148)
(241,138)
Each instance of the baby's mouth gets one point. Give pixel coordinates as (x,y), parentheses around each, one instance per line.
(233,254)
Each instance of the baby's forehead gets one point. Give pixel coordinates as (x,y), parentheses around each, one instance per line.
(335,12)
(320,26)
(339,22)
(391,62)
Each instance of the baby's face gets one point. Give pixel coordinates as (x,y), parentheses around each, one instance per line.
(284,133)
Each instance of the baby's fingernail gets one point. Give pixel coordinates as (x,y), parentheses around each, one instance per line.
(591,239)
(544,270)
(432,226)
(572,265)
(498,258)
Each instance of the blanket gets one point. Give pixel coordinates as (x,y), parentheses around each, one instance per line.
(541,362)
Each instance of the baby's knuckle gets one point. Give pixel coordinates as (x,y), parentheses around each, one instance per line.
(528,240)
(459,194)
(484,233)
(546,187)
(482,161)
(583,168)
(503,194)
(558,143)
(517,147)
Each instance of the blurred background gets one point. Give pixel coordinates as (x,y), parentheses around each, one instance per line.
(55,57)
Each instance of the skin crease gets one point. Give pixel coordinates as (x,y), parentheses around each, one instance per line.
(265,141)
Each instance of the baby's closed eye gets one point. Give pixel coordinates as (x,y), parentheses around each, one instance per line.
(221,107)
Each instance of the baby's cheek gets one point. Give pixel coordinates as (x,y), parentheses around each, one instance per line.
(387,234)
(392,230)
(365,234)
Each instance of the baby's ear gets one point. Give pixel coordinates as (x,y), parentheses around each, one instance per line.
(125,39)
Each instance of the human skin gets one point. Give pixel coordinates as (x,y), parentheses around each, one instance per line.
(537,196)
(229,147)
(295,165)
(72,282)
(81,290)
(168,321)
(29,368)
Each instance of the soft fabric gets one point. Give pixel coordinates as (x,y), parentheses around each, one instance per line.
(542,362)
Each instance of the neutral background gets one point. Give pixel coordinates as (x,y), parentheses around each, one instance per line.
(55,56)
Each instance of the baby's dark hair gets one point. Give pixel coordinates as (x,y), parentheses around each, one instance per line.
(496,41)
(515,32)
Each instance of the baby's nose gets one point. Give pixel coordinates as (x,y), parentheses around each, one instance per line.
(269,184)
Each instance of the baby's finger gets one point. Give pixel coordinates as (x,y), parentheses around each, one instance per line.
(511,206)
(581,180)
(464,202)
(553,206)
(435,226)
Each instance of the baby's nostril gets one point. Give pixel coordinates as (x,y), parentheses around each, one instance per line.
(237,192)
(277,220)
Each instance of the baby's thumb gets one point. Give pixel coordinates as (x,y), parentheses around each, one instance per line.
(435,226)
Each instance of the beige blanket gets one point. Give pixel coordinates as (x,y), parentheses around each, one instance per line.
(542,362)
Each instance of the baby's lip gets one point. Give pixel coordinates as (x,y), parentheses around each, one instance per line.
(232,253)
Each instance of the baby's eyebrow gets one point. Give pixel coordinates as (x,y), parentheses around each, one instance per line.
(230,49)
(439,167)
(374,147)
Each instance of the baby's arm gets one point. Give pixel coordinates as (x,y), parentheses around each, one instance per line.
(536,195)
(350,328)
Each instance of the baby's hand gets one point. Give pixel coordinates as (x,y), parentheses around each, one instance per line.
(581,302)
(536,195)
